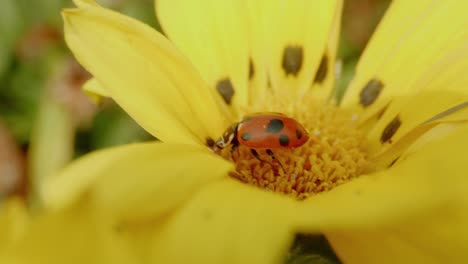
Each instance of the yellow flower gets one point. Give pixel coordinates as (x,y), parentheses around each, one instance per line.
(382,176)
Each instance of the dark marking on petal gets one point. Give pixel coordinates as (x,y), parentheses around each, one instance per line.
(251,69)
(269,85)
(322,70)
(292,60)
(393,162)
(246,136)
(382,111)
(226,90)
(210,142)
(284,140)
(274,126)
(390,130)
(370,92)
(298,134)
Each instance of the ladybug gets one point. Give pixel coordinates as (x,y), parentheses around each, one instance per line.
(264,131)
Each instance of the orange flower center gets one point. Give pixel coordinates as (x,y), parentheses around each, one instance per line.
(334,154)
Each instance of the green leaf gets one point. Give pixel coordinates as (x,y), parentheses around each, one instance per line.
(11,25)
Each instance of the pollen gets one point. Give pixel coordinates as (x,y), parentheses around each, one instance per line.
(335,153)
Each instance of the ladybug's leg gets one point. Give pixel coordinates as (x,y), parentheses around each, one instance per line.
(255,154)
(234,147)
(273,157)
(270,153)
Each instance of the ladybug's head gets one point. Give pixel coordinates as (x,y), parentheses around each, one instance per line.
(229,137)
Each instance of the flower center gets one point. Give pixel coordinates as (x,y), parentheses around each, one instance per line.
(334,154)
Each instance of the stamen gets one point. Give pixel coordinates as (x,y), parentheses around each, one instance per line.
(335,153)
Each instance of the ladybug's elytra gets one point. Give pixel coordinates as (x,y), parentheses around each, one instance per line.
(264,131)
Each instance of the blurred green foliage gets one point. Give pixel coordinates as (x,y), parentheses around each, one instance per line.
(45,118)
(31,44)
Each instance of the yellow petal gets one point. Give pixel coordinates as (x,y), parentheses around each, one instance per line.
(419,45)
(257,19)
(430,239)
(136,181)
(249,41)
(317,35)
(214,35)
(84,3)
(14,220)
(227,222)
(143,73)
(301,44)
(77,236)
(325,76)
(415,210)
(94,90)
(405,114)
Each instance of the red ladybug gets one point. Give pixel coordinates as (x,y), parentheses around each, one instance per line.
(264,131)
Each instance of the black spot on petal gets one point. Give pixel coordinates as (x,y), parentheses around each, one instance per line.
(251,69)
(393,162)
(390,130)
(322,70)
(246,136)
(274,126)
(225,89)
(269,85)
(292,60)
(370,92)
(284,140)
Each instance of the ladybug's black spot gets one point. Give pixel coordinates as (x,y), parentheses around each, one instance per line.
(246,136)
(390,130)
(292,60)
(322,70)
(370,92)
(284,140)
(274,126)
(210,142)
(225,89)
(251,69)
(298,134)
